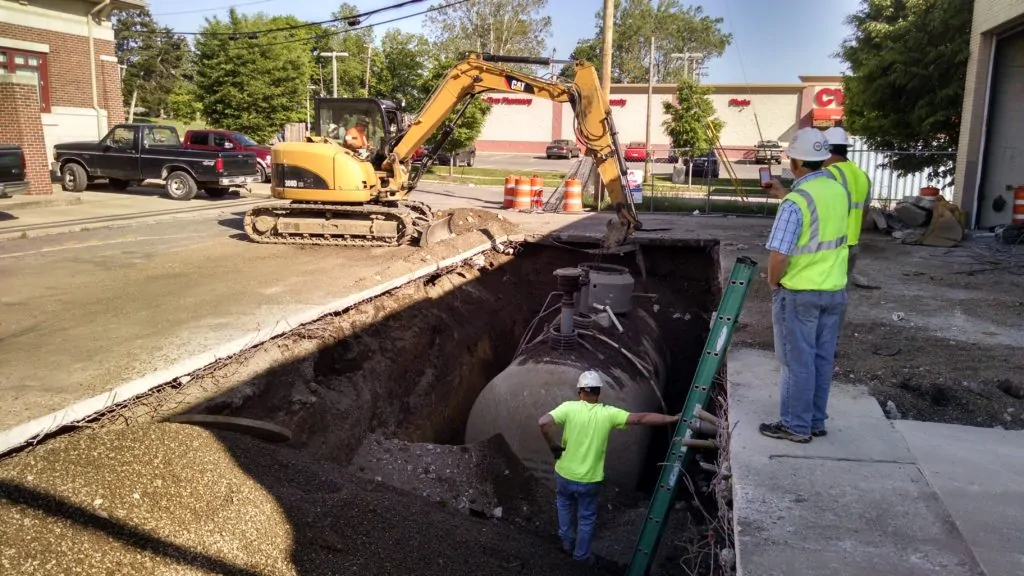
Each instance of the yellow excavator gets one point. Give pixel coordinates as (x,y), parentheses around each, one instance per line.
(339,196)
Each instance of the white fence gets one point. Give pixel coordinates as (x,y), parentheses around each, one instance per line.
(889,187)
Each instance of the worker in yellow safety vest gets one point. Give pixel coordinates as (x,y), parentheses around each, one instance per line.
(858,185)
(807,275)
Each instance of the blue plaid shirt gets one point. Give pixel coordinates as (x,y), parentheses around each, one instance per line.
(789,220)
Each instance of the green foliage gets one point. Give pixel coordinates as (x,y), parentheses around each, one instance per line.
(509,27)
(677,29)
(687,122)
(401,70)
(183,102)
(588,49)
(351,68)
(253,85)
(908,67)
(467,130)
(155,57)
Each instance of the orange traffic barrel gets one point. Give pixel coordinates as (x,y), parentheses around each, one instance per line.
(521,199)
(537,192)
(572,200)
(510,192)
(1018,205)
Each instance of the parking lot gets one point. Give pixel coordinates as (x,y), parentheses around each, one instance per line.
(528,162)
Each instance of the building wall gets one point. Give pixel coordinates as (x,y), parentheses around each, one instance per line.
(520,123)
(20,124)
(991,18)
(59,29)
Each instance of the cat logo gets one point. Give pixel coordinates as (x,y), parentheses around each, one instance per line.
(517,85)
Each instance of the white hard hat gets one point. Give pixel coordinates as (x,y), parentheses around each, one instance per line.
(589,379)
(836,135)
(808,144)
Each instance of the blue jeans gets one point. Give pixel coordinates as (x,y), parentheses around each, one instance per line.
(570,495)
(807,326)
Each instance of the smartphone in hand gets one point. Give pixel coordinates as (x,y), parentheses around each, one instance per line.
(766,177)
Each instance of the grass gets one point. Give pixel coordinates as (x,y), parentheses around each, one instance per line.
(689,204)
(180,126)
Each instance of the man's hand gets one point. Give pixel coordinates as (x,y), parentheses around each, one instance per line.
(556,451)
(777,190)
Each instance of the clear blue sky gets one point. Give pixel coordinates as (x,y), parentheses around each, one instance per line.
(774,41)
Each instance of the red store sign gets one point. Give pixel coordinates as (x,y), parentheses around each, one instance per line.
(620,102)
(508,101)
(828,97)
(739,103)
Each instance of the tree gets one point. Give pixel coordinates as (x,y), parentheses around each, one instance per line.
(510,27)
(250,81)
(357,44)
(400,73)
(687,122)
(154,58)
(469,126)
(676,29)
(905,88)
(588,49)
(183,102)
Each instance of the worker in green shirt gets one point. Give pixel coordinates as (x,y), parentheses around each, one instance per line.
(579,467)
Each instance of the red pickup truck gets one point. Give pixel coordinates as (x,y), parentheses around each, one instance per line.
(217,140)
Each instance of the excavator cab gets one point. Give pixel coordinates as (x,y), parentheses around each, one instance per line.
(334,116)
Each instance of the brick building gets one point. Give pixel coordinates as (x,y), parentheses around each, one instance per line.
(990,157)
(521,123)
(49,92)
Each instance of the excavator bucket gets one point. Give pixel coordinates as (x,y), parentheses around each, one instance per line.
(437,231)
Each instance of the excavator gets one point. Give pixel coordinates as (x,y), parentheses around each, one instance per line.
(339,196)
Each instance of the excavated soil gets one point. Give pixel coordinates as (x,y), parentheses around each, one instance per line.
(375,479)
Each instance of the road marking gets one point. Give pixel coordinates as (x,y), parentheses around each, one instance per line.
(91,244)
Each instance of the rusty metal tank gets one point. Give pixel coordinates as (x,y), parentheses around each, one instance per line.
(625,345)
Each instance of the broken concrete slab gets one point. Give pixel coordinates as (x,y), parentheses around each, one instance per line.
(976,472)
(912,215)
(851,503)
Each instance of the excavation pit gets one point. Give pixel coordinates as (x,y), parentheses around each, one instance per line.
(376,398)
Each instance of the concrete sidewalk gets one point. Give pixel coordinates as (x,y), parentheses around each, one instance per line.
(854,503)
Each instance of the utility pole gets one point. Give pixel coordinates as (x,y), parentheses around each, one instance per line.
(369,53)
(334,68)
(650,98)
(606,50)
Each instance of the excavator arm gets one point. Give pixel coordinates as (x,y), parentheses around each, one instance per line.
(592,117)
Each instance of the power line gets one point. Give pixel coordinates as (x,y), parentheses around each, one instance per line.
(357,18)
(197,11)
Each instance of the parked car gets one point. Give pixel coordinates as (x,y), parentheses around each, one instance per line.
(227,140)
(635,152)
(417,156)
(132,153)
(768,151)
(463,157)
(705,166)
(12,171)
(562,149)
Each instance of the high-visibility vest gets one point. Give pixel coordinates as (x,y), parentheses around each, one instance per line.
(859,187)
(819,259)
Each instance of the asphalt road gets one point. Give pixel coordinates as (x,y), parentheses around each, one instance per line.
(528,162)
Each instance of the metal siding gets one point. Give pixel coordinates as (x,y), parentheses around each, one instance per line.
(518,123)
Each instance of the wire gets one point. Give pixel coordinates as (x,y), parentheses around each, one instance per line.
(212,9)
(357,17)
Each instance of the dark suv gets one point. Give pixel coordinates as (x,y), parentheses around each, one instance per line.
(12,171)
(463,157)
(705,166)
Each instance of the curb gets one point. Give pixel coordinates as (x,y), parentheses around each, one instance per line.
(30,201)
(35,430)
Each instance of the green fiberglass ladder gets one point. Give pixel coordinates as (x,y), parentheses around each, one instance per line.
(680,451)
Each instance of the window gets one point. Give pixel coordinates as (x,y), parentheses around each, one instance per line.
(122,138)
(199,139)
(219,140)
(30,65)
(243,139)
(161,136)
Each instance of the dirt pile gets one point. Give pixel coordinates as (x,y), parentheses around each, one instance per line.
(171,498)
(484,479)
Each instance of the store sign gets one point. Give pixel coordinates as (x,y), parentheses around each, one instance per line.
(739,102)
(827,97)
(508,101)
(620,102)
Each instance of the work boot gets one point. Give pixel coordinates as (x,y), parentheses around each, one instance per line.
(819,433)
(779,431)
(568,547)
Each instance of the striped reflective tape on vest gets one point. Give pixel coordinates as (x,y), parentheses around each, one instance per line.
(814,244)
(846,186)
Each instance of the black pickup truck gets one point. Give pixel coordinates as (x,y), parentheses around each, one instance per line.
(132,153)
(12,171)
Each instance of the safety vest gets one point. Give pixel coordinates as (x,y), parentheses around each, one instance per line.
(857,185)
(819,259)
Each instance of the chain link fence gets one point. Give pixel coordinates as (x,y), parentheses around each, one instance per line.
(726,181)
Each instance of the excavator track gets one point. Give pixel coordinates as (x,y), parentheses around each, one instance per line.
(412,219)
